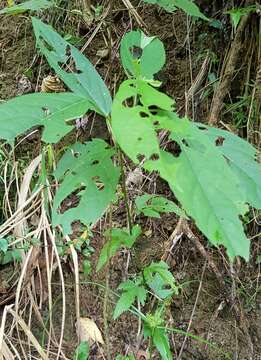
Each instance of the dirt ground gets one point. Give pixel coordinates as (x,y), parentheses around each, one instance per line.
(201,306)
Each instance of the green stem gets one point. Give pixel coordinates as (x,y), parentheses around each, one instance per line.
(125,192)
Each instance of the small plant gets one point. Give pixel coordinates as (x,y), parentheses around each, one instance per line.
(214,176)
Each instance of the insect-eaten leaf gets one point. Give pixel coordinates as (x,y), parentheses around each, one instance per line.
(72,67)
(116,239)
(200,177)
(88,171)
(142,56)
(52,111)
(153,206)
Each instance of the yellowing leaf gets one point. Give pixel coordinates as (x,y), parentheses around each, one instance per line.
(89,331)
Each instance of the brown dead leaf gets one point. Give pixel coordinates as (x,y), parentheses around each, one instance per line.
(89,331)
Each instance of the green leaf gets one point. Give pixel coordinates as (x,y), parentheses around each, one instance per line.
(133,126)
(33,5)
(151,59)
(82,351)
(3,245)
(187,6)
(117,238)
(242,159)
(151,205)
(49,110)
(199,175)
(237,13)
(61,56)
(160,269)
(161,342)
(88,169)
(131,291)
(190,8)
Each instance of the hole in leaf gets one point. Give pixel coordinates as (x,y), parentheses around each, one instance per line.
(95,162)
(129,102)
(219,141)
(143,114)
(202,128)
(46,44)
(185,142)
(76,154)
(136,52)
(154,157)
(140,157)
(68,51)
(156,123)
(153,109)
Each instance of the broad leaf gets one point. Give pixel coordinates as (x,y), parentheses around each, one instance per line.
(116,239)
(49,110)
(199,175)
(161,342)
(141,55)
(62,57)
(188,6)
(131,291)
(88,170)
(237,13)
(242,158)
(153,206)
(33,5)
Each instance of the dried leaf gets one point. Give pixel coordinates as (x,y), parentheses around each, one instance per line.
(89,331)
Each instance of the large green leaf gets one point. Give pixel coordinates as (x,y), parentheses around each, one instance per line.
(188,6)
(149,61)
(49,110)
(83,80)
(87,169)
(200,177)
(33,5)
(242,158)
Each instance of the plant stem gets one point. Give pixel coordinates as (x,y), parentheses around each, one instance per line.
(125,193)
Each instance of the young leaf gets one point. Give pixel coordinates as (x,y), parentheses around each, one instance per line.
(33,5)
(159,269)
(131,291)
(242,159)
(237,13)
(161,342)
(153,206)
(82,351)
(150,59)
(85,80)
(88,169)
(117,238)
(49,110)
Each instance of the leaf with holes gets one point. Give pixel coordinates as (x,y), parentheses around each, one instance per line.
(199,175)
(132,125)
(153,206)
(242,159)
(116,239)
(132,290)
(141,55)
(52,111)
(72,67)
(33,5)
(88,170)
